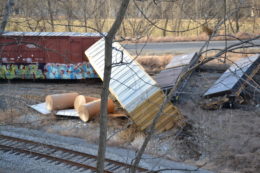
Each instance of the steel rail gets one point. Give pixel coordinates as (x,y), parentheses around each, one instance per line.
(29,152)
(64,150)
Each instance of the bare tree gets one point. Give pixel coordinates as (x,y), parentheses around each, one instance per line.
(138,29)
(85,12)
(69,13)
(107,75)
(7,11)
(51,13)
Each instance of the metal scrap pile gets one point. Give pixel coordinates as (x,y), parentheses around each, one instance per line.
(168,78)
(134,89)
(228,87)
(141,96)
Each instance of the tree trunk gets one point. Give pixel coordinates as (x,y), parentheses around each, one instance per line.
(165,26)
(51,15)
(8,7)
(105,91)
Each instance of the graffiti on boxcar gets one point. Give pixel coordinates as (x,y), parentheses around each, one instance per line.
(14,71)
(47,71)
(69,71)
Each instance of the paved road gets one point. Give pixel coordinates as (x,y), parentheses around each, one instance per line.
(175,47)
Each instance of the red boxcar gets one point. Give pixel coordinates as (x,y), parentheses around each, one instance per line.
(46,55)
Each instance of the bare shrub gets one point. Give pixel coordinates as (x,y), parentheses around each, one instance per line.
(154,64)
(9,115)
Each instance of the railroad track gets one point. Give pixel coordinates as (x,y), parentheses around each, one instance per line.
(77,160)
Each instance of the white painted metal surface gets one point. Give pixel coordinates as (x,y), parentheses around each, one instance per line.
(73,34)
(231,77)
(129,82)
(41,107)
(136,91)
(181,60)
(68,113)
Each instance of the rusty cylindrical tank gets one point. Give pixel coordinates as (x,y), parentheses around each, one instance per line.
(81,99)
(60,101)
(89,110)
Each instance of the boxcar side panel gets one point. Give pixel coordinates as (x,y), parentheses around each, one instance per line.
(45,57)
(86,43)
(76,49)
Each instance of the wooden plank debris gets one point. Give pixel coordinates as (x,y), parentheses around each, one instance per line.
(213,103)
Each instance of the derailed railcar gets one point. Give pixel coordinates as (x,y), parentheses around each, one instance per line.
(46,55)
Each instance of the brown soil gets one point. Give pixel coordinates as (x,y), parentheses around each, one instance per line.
(224,140)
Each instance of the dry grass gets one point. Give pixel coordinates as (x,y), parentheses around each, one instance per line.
(138,140)
(194,27)
(7,116)
(174,38)
(230,57)
(132,28)
(200,37)
(127,135)
(154,63)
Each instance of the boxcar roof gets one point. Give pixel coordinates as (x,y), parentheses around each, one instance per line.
(73,34)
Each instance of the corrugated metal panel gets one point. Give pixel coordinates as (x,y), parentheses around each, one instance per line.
(181,60)
(74,34)
(132,86)
(235,76)
(180,64)
(168,77)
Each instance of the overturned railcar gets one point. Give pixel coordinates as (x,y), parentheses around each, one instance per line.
(46,55)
